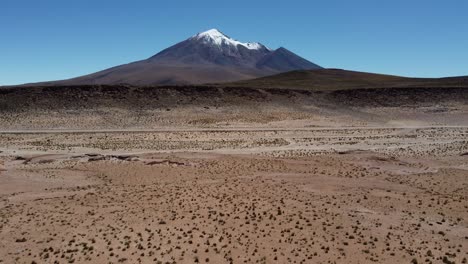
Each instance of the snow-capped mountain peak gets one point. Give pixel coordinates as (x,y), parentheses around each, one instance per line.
(216,37)
(212,33)
(207,57)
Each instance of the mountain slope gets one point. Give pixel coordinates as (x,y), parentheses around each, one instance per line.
(146,73)
(283,60)
(207,57)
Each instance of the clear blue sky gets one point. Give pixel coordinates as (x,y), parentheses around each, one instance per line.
(51,39)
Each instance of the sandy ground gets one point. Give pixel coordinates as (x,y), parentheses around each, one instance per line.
(282,194)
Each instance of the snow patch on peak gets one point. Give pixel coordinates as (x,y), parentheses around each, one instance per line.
(214,36)
(212,33)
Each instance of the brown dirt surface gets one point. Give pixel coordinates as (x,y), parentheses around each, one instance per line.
(100,174)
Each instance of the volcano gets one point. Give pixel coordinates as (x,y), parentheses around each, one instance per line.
(207,57)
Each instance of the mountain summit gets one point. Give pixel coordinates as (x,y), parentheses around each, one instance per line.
(216,37)
(207,57)
(213,48)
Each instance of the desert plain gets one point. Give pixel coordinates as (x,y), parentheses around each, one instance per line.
(233,176)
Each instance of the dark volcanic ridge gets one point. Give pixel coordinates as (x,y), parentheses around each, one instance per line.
(208,57)
(126,106)
(338,79)
(364,93)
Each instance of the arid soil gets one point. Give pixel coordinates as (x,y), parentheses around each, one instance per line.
(387,194)
(99,174)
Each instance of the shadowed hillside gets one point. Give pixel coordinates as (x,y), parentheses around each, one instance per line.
(106,107)
(336,79)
